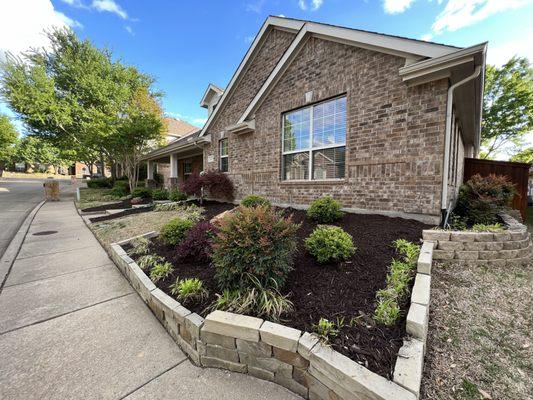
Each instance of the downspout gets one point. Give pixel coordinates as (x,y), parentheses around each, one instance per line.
(447,142)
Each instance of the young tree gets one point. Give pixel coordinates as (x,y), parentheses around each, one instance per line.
(34,152)
(525,156)
(140,130)
(507,110)
(8,139)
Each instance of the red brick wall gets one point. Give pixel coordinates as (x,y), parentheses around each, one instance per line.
(395,133)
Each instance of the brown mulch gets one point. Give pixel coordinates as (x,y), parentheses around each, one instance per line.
(335,292)
(114,206)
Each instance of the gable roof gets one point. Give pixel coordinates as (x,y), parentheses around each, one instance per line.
(178,128)
(209,92)
(412,49)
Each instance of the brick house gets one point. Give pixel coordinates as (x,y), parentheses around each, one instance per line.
(381,123)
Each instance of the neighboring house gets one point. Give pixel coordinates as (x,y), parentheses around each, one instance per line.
(381,123)
(176,129)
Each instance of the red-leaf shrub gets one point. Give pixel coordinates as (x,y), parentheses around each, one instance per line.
(254,245)
(197,245)
(193,185)
(218,184)
(481,197)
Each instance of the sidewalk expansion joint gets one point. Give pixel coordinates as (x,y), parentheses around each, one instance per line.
(66,313)
(153,379)
(57,252)
(58,275)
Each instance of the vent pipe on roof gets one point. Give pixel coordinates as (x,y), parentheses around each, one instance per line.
(447,140)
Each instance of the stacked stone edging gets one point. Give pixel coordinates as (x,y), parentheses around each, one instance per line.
(289,357)
(510,246)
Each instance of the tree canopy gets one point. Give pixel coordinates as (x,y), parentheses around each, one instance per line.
(507,105)
(525,156)
(78,98)
(8,139)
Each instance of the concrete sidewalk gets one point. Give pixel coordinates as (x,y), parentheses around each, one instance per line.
(71,327)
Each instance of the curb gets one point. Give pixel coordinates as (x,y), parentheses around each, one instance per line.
(12,251)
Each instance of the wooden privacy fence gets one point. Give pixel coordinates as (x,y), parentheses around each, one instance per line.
(516,172)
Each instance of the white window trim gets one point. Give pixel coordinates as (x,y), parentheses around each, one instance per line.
(220,156)
(310,149)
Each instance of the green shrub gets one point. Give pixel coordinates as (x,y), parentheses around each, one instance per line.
(161,271)
(482,197)
(139,246)
(99,183)
(149,260)
(174,231)
(120,189)
(497,227)
(254,200)
(160,194)
(144,193)
(254,242)
(325,210)
(187,290)
(177,195)
(259,301)
(325,329)
(330,244)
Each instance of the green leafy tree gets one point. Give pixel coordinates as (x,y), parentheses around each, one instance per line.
(8,139)
(74,95)
(507,111)
(38,153)
(525,156)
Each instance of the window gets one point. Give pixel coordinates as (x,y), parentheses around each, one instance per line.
(223,156)
(314,142)
(187,169)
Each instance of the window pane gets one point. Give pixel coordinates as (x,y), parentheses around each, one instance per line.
(296,166)
(224,147)
(224,164)
(329,163)
(296,129)
(329,123)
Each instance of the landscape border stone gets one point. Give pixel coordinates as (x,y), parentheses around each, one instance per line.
(296,360)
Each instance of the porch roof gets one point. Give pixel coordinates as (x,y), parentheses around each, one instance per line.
(182,145)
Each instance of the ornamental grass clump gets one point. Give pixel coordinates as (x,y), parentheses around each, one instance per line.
(330,244)
(161,271)
(139,246)
(325,210)
(254,200)
(189,290)
(254,242)
(398,280)
(174,231)
(149,260)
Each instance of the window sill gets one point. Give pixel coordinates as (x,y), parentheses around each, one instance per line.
(315,182)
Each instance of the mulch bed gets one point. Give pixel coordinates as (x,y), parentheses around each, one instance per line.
(346,290)
(126,212)
(114,206)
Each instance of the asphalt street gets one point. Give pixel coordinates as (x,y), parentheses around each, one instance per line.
(17,199)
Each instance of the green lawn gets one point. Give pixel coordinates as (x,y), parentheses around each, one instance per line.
(94,197)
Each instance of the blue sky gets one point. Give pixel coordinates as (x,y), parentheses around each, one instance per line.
(187,44)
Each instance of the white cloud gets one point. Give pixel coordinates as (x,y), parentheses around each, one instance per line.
(199,121)
(427,37)
(196,121)
(255,6)
(109,6)
(23,22)
(461,13)
(500,53)
(315,4)
(129,30)
(281,16)
(249,39)
(75,3)
(396,6)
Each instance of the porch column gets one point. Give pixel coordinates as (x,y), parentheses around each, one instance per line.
(150,183)
(173,171)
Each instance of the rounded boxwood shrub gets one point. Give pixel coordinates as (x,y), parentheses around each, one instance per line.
(142,192)
(175,230)
(120,189)
(330,244)
(254,245)
(160,194)
(325,210)
(99,183)
(177,195)
(254,200)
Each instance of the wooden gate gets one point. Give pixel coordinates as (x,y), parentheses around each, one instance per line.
(516,172)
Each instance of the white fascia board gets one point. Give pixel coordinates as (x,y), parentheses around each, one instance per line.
(433,65)
(278,22)
(210,88)
(406,48)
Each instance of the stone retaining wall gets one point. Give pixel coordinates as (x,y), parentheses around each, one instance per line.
(509,246)
(294,359)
